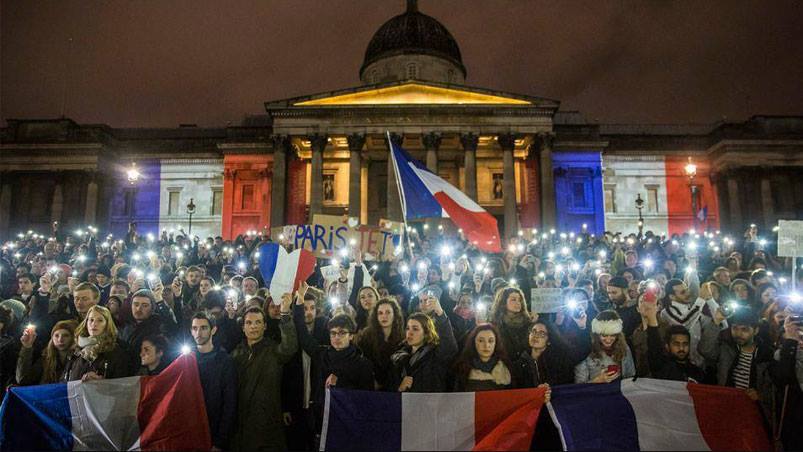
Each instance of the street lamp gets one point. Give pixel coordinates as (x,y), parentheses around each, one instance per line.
(133,174)
(691,172)
(640,206)
(190,212)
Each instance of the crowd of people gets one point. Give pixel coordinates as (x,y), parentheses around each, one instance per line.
(442,316)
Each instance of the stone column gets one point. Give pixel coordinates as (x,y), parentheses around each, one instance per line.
(318,142)
(508,142)
(57,202)
(356,142)
(733,202)
(767,204)
(432,141)
(548,215)
(278,190)
(5,204)
(469,142)
(90,213)
(394,203)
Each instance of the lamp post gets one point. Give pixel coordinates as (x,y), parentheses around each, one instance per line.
(691,172)
(640,206)
(132,174)
(190,212)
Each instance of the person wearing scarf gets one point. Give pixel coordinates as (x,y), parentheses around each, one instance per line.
(483,364)
(510,315)
(463,316)
(98,355)
(422,363)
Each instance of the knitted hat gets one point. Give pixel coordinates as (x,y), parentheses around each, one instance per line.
(618,281)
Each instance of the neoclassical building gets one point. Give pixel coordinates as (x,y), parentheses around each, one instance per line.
(521,157)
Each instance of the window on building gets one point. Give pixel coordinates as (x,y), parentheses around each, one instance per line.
(412,71)
(374,76)
(579,199)
(217,202)
(173,198)
(652,198)
(610,199)
(450,75)
(498,185)
(248,197)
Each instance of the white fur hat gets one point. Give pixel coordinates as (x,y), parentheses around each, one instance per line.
(606,327)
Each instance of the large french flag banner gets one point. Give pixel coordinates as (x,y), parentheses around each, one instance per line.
(649,414)
(491,420)
(163,412)
(283,272)
(425,195)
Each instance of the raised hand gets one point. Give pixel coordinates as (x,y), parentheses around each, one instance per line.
(287,301)
(406,383)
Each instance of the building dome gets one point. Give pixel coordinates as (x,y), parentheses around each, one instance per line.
(416,35)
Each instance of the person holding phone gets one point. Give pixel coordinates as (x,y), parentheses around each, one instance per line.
(33,368)
(610,358)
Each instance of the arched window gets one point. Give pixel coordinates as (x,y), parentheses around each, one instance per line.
(374,77)
(450,76)
(412,70)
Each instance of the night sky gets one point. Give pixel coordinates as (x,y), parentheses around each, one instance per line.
(159,63)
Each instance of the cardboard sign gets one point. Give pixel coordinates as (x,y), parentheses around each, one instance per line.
(546,301)
(790,238)
(329,233)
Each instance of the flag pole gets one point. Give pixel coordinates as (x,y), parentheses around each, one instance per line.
(401,194)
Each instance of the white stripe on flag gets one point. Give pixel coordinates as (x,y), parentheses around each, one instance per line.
(104,414)
(437,421)
(284,276)
(665,415)
(435,185)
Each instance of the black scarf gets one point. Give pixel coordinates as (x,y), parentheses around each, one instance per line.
(486,367)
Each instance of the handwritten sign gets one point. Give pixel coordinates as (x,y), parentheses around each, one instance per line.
(329,233)
(790,238)
(546,300)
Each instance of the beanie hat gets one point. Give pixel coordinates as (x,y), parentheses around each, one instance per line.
(618,281)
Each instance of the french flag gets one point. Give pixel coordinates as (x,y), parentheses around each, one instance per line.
(163,412)
(649,414)
(425,195)
(283,272)
(392,421)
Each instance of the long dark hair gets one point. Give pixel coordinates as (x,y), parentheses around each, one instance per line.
(372,338)
(463,365)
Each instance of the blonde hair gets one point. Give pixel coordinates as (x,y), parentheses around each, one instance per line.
(108,339)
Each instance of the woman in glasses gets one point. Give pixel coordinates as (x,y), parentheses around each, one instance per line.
(549,360)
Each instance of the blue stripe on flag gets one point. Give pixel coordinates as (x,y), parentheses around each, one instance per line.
(363,420)
(418,199)
(36,418)
(268,255)
(594,416)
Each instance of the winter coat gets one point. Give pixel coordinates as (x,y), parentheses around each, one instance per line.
(352,369)
(30,370)
(590,367)
(219,383)
(554,367)
(293,372)
(114,363)
(785,371)
(429,365)
(515,338)
(639,345)
(380,359)
(9,348)
(259,409)
(664,367)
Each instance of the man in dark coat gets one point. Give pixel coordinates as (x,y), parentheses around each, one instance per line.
(218,380)
(259,360)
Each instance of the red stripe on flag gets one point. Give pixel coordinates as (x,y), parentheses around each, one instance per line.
(728,419)
(479,227)
(505,420)
(171,412)
(306,267)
